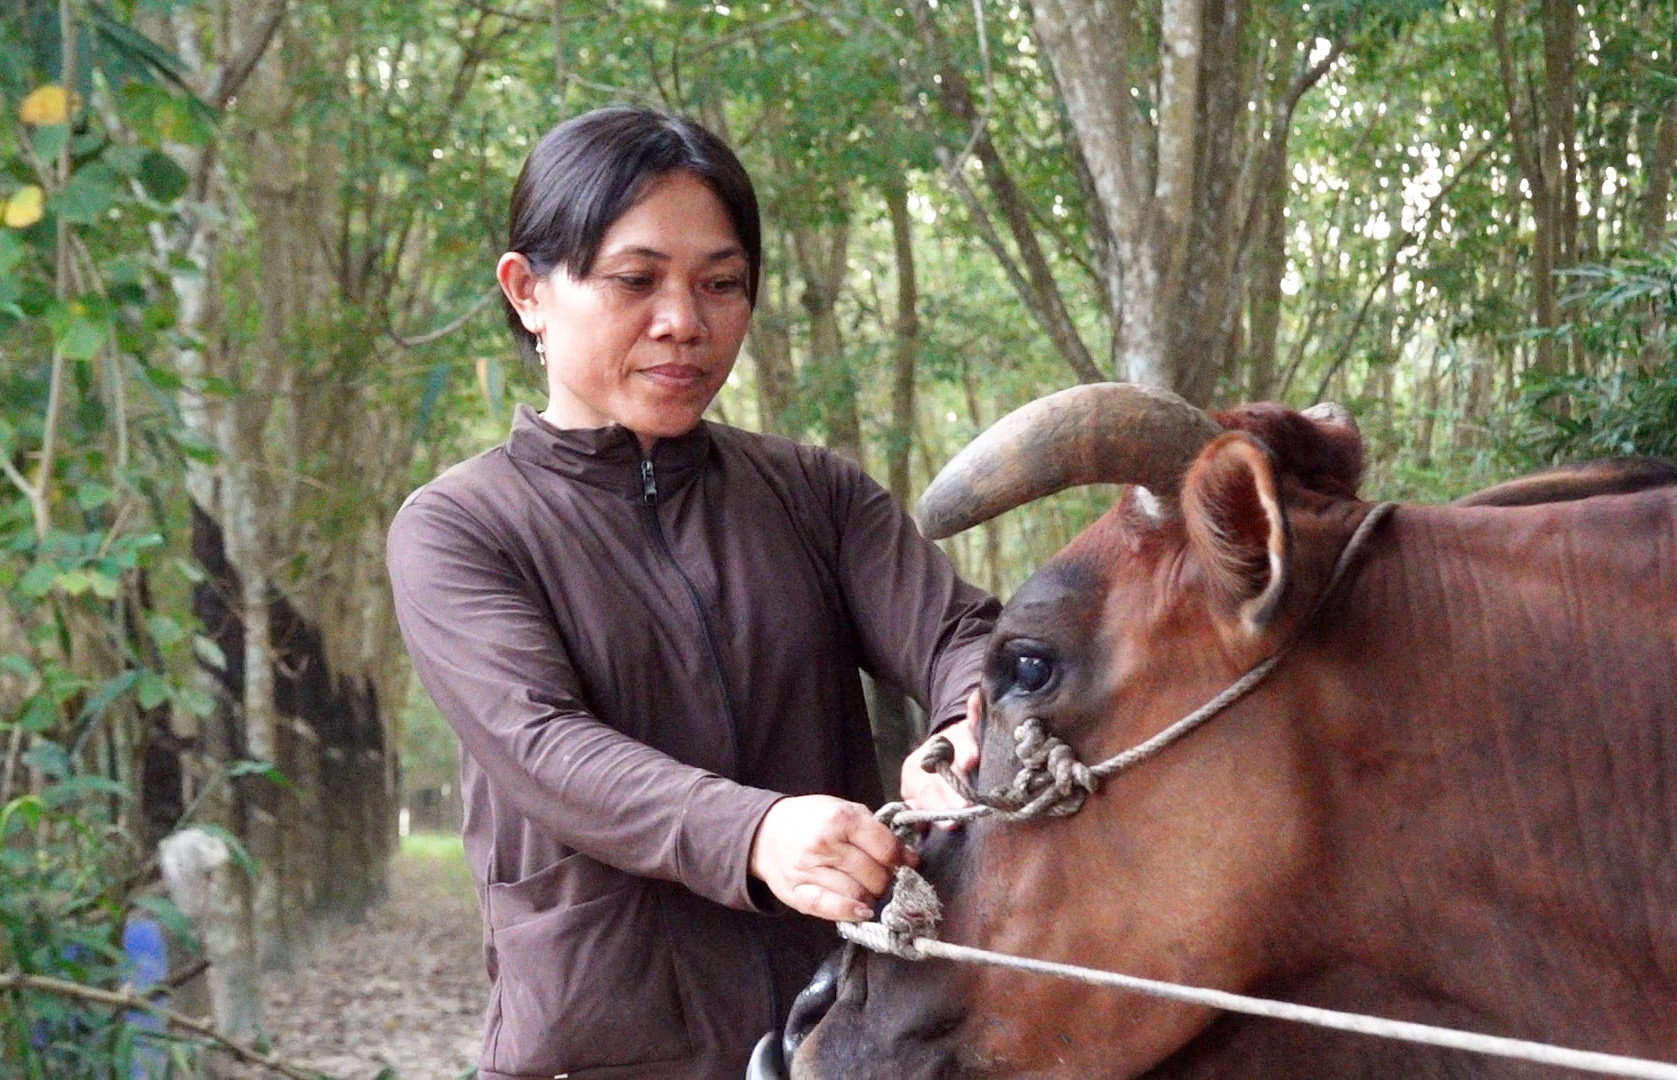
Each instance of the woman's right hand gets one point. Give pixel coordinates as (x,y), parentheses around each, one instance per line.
(826,857)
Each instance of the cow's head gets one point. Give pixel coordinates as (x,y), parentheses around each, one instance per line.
(1182,869)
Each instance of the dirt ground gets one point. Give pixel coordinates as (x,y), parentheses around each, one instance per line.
(402,990)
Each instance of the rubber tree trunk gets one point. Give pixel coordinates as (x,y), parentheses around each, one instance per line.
(897,725)
(210,890)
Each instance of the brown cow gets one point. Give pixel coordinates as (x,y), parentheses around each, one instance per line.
(1454,802)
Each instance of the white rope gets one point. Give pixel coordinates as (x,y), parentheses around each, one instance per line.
(877,938)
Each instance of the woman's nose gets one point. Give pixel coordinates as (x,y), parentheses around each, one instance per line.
(678,317)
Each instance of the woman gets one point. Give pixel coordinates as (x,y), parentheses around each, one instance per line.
(646,630)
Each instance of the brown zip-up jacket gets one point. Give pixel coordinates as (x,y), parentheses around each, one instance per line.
(640,655)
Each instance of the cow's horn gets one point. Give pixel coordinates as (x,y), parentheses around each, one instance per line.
(1097,433)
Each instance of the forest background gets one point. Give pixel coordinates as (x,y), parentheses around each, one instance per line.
(247,304)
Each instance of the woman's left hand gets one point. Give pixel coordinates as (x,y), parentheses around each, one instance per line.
(826,857)
(924,790)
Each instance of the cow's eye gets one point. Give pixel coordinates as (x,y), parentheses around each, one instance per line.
(1031,673)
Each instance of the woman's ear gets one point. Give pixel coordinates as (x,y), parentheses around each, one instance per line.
(1237,527)
(518,282)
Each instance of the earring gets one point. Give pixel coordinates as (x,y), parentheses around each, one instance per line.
(541,351)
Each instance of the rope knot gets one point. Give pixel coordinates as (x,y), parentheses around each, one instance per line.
(939,753)
(912,912)
(887,816)
(1051,780)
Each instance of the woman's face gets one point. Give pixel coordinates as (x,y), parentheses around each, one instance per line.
(648,337)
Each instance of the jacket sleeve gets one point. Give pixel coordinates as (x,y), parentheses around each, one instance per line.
(921,626)
(485,648)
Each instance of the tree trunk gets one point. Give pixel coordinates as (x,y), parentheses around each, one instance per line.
(770,337)
(822,256)
(897,726)
(209,889)
(1269,267)
(1656,198)
(1542,131)
(1181,189)
(225,491)
(1034,280)
(990,557)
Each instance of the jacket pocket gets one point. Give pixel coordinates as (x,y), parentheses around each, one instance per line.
(581,981)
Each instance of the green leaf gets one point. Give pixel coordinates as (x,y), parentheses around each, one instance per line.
(38,581)
(190,570)
(176,121)
(163,378)
(105,586)
(92,495)
(196,446)
(39,715)
(76,582)
(77,788)
(87,196)
(113,688)
(151,690)
(26,810)
(50,758)
(161,177)
(49,140)
(194,701)
(125,159)
(267,770)
(12,251)
(80,337)
(206,649)
(166,631)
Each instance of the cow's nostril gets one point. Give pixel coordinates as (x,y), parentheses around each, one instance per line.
(814,1000)
(766,1062)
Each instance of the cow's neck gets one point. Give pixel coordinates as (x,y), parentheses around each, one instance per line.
(1501,775)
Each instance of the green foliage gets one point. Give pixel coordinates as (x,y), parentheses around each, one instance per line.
(87,666)
(65,875)
(1577,417)
(1625,327)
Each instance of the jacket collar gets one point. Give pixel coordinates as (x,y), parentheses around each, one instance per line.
(608,457)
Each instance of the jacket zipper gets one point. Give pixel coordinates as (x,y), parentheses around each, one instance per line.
(649,497)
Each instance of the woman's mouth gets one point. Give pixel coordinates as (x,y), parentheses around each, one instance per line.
(675,376)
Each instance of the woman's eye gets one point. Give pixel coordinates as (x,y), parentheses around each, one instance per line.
(1031,673)
(727,285)
(634,281)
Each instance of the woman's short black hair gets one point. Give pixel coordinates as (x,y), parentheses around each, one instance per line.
(587,172)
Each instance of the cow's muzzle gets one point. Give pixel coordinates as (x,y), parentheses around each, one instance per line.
(772,1057)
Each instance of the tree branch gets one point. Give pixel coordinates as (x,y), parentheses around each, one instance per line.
(1042,293)
(233,76)
(1404,241)
(129,999)
(447,328)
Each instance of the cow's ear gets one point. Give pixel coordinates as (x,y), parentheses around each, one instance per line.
(1238,528)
